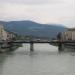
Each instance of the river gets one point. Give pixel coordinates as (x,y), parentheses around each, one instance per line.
(45,60)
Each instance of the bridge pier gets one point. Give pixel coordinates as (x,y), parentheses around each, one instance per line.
(61,47)
(31,47)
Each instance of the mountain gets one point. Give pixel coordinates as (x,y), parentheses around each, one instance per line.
(34,29)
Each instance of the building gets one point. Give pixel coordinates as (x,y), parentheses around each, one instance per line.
(10,35)
(3,33)
(1,29)
(6,35)
(68,34)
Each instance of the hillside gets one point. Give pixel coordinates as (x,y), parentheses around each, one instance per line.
(30,28)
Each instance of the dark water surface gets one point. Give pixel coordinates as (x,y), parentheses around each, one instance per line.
(45,60)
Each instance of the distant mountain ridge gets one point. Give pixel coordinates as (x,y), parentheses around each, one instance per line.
(30,28)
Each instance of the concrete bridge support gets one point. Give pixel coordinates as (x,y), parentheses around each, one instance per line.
(61,47)
(31,47)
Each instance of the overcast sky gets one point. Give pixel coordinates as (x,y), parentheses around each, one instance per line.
(41,11)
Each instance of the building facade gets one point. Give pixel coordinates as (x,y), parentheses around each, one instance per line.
(1,29)
(10,36)
(3,33)
(68,34)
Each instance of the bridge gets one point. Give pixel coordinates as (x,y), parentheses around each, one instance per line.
(59,42)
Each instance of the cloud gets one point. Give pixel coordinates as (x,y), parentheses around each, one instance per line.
(32,1)
(41,11)
(69,22)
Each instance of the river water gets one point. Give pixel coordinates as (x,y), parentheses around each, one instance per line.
(45,60)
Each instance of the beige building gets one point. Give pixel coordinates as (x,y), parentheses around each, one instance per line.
(3,33)
(1,29)
(6,35)
(68,34)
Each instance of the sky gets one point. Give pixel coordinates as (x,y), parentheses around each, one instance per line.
(41,11)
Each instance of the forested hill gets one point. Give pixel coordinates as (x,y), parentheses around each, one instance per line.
(30,28)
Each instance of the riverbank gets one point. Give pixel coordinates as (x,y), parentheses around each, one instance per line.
(9,48)
(69,47)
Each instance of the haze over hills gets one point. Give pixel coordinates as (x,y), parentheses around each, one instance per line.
(30,28)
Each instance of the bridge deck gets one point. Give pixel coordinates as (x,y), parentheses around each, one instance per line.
(60,43)
(39,42)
